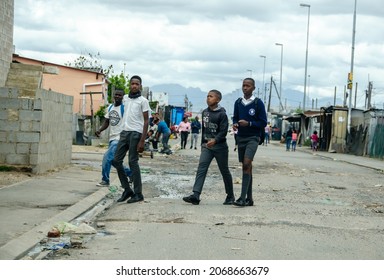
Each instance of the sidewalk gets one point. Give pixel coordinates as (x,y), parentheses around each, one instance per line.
(29,209)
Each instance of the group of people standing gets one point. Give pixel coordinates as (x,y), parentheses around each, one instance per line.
(185,128)
(129,121)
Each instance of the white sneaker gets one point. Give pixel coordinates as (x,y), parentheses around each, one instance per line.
(102,184)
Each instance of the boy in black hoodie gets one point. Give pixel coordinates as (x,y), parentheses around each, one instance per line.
(213,145)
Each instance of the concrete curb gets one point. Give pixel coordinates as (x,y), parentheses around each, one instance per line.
(18,247)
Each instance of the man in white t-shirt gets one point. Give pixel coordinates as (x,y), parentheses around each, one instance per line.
(113,118)
(132,139)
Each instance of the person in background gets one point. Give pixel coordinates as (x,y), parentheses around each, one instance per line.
(288,139)
(214,145)
(267,134)
(165,132)
(184,129)
(113,118)
(195,127)
(294,140)
(132,140)
(314,141)
(249,118)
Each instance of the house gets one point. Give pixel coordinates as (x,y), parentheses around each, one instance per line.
(88,88)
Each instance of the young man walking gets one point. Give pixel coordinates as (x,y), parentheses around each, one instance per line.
(132,140)
(249,120)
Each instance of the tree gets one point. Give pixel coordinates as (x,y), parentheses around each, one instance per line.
(92,62)
(117,81)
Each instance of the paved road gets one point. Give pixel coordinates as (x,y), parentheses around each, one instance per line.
(307,206)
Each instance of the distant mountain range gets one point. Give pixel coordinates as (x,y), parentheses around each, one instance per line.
(177,97)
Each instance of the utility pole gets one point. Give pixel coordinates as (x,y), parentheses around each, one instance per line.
(350,75)
(369,95)
(270,93)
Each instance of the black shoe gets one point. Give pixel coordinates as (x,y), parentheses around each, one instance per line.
(239,202)
(195,148)
(248,202)
(229,200)
(136,198)
(192,199)
(191,147)
(126,194)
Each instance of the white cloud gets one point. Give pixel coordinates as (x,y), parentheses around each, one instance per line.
(211,43)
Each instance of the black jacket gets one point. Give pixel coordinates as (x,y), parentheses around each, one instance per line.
(215,125)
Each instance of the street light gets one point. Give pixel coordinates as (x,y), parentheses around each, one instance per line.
(306,55)
(250,72)
(265,94)
(281,68)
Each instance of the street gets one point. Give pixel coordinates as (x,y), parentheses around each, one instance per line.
(307,206)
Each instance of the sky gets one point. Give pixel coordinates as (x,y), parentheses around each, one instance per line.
(214,44)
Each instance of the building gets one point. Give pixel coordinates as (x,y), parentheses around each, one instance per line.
(88,88)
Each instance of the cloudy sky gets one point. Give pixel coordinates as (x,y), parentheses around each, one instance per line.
(213,43)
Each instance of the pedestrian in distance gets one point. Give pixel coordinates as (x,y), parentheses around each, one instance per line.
(113,119)
(195,128)
(294,140)
(288,139)
(184,129)
(213,145)
(163,131)
(314,141)
(249,119)
(132,140)
(267,133)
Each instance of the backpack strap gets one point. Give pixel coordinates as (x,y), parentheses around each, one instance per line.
(121,109)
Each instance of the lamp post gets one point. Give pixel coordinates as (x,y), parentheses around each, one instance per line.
(309,83)
(306,55)
(250,72)
(265,95)
(281,68)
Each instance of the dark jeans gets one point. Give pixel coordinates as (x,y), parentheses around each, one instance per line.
(184,138)
(220,153)
(128,142)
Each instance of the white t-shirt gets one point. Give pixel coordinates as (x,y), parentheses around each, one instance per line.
(115,121)
(133,113)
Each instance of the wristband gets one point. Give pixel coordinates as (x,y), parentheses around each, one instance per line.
(250,123)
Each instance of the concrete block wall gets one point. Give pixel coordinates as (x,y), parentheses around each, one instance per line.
(6,38)
(35,132)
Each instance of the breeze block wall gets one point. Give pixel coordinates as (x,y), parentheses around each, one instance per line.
(6,38)
(35,132)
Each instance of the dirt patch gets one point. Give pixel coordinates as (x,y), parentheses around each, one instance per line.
(13,177)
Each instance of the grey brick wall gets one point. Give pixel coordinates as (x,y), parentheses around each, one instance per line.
(6,38)
(35,132)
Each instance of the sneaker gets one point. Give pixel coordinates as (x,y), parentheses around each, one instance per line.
(192,199)
(102,184)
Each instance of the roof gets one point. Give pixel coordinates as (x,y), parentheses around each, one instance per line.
(15,56)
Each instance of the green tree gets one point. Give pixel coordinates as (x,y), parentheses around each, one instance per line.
(93,62)
(117,82)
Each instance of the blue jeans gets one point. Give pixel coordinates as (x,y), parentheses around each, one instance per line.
(288,143)
(165,140)
(107,162)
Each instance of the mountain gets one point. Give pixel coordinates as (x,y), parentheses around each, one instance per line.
(292,99)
